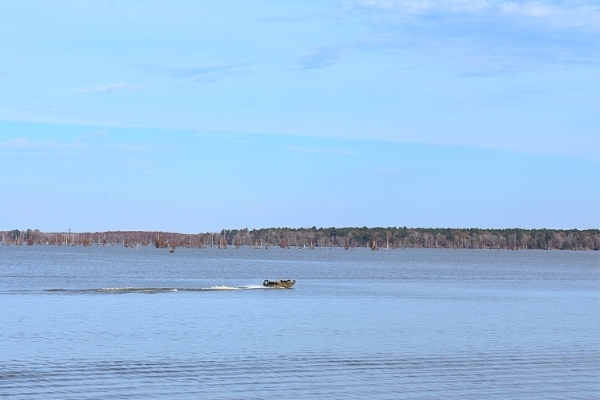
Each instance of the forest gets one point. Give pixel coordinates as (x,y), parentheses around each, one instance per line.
(373,238)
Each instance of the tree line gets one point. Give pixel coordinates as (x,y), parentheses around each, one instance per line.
(373,238)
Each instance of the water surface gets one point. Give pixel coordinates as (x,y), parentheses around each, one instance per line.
(112,322)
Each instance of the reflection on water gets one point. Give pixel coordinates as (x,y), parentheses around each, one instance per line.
(90,323)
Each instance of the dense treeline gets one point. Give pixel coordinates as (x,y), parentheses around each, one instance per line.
(374,238)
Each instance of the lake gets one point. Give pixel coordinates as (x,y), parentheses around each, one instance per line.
(114,322)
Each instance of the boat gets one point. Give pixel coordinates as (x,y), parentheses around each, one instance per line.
(279,283)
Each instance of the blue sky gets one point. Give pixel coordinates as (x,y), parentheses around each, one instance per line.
(196,116)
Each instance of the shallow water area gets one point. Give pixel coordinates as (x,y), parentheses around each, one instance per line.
(101,322)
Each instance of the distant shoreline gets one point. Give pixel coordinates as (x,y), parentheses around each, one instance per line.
(373,238)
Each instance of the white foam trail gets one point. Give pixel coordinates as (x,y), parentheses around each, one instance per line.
(137,290)
(223,288)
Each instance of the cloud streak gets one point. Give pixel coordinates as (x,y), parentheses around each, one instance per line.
(111,88)
(321,150)
(201,73)
(26,144)
(321,57)
(83,143)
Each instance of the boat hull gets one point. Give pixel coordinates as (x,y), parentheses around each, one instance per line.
(279,283)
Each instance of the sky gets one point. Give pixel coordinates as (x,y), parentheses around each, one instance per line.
(192,117)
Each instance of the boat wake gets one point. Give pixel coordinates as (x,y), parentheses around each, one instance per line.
(151,290)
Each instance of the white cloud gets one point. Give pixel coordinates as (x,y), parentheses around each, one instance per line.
(557,14)
(478,37)
(113,87)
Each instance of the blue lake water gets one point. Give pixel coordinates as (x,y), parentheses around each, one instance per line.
(113,322)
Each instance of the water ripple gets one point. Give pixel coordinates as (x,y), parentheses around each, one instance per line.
(541,374)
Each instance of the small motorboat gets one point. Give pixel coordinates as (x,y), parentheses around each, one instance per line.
(280,283)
